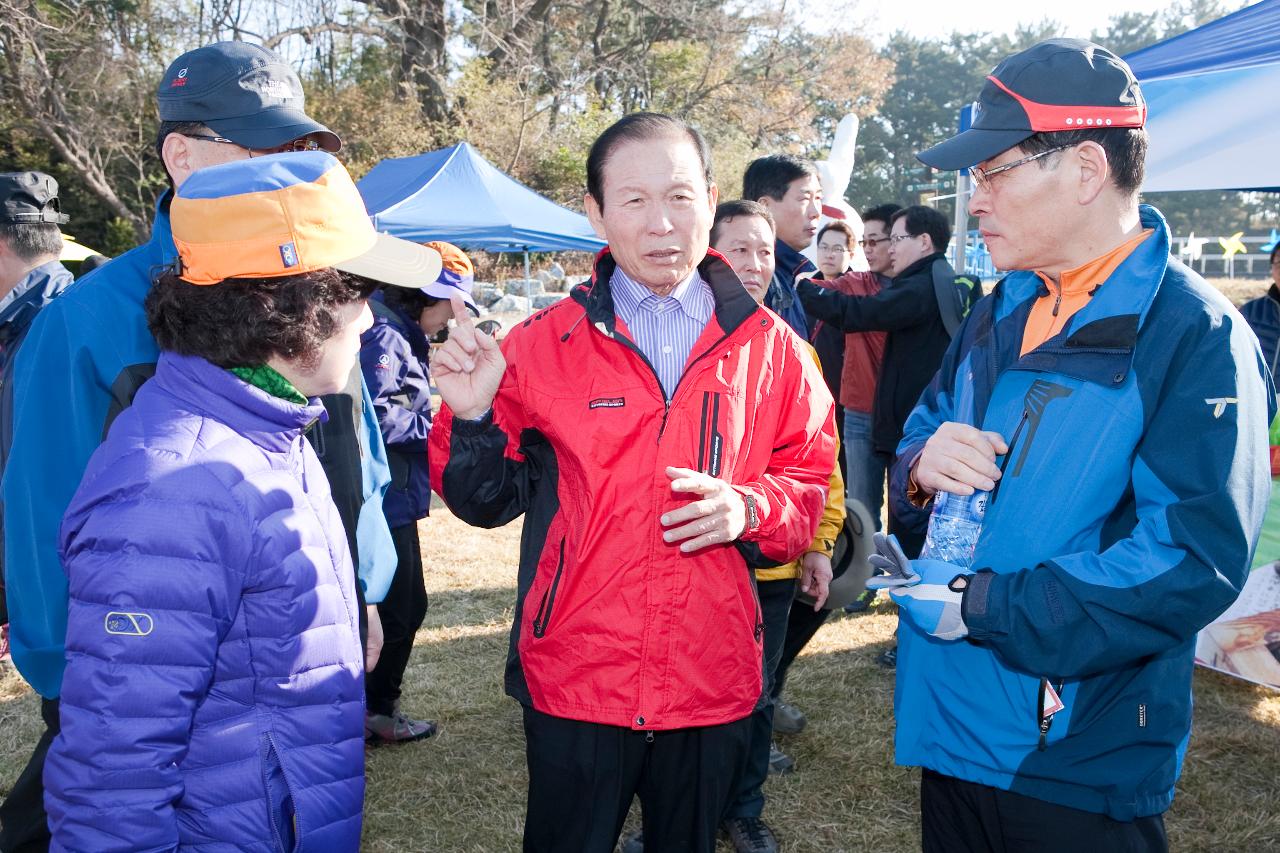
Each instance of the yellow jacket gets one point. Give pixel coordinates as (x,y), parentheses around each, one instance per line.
(824,540)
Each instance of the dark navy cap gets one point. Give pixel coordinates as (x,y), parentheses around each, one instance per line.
(1060,84)
(241,91)
(28,198)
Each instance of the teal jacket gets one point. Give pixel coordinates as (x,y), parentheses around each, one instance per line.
(85,357)
(1125,521)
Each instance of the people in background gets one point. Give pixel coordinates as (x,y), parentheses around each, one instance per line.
(789,189)
(1263,314)
(30,277)
(743,232)
(915,340)
(834,246)
(395,359)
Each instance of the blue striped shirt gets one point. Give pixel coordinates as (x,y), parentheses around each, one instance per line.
(665,328)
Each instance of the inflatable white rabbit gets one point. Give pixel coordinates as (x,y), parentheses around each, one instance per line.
(834,173)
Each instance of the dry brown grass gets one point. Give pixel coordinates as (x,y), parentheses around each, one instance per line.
(463,792)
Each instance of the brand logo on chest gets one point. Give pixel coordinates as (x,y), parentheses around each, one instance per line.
(607,403)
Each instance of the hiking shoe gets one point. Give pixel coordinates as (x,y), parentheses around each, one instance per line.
(633,843)
(750,835)
(787,719)
(396,728)
(779,762)
(862,603)
(888,658)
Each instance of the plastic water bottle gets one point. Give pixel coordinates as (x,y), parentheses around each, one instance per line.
(954,526)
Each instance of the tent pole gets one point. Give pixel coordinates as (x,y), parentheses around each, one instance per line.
(960,228)
(527,295)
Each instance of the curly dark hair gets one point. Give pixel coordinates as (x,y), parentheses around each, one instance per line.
(243,322)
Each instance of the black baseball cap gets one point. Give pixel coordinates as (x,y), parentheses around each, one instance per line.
(29,198)
(241,91)
(1059,84)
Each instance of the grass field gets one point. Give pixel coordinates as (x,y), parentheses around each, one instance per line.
(463,792)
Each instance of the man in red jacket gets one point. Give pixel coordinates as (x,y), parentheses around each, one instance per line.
(663,436)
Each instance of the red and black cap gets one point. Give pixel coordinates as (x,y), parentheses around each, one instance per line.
(1059,84)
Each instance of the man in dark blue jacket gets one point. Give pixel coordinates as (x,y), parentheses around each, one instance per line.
(789,189)
(1115,407)
(31,274)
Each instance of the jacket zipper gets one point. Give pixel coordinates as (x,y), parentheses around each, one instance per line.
(758,632)
(275,826)
(1013,445)
(543,616)
(680,381)
(1045,720)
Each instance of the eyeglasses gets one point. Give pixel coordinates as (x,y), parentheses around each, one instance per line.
(302,144)
(982,177)
(221,140)
(833,250)
(898,238)
(872,242)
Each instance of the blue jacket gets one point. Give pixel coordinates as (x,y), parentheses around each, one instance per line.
(214,695)
(18,308)
(394,357)
(781,297)
(1125,520)
(85,357)
(1263,316)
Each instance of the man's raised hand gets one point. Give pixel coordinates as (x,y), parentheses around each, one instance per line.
(468,367)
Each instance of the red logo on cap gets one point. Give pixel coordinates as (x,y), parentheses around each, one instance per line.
(180,80)
(1047,118)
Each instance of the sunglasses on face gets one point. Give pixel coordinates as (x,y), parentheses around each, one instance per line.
(301,144)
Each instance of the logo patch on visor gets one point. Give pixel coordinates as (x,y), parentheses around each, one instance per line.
(288,254)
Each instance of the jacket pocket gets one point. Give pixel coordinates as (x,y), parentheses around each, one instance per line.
(542,618)
(281,812)
(399,465)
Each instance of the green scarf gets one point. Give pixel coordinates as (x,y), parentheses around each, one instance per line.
(268,379)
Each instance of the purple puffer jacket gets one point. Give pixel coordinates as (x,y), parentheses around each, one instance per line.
(214,697)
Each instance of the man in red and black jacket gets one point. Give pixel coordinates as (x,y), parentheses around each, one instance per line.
(663,436)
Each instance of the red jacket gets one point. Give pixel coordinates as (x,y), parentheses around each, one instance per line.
(863,351)
(612,625)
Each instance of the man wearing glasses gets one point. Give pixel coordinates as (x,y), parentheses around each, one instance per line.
(917,336)
(90,350)
(1116,409)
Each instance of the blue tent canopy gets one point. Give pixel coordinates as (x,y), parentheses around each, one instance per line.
(1210,95)
(1242,39)
(456,195)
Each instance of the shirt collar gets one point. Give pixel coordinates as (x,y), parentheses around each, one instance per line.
(693,294)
